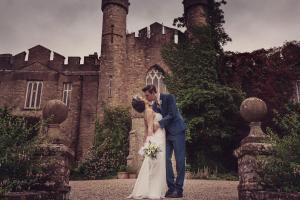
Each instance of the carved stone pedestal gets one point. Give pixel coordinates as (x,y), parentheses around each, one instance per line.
(54,158)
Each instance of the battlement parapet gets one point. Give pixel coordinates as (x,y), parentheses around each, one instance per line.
(58,59)
(155,34)
(39,54)
(43,55)
(5,61)
(19,59)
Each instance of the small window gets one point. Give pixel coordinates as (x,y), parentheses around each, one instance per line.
(176,37)
(110,87)
(33,95)
(298,91)
(67,93)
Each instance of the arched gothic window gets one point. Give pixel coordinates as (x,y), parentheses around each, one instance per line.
(155,76)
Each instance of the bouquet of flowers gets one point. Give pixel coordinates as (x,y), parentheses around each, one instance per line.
(151,150)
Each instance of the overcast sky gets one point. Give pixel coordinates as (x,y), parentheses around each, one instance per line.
(73,27)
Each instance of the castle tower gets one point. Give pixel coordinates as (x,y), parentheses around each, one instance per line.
(113,53)
(195,12)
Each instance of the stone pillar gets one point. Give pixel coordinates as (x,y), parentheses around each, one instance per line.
(134,160)
(54,158)
(252,110)
(55,154)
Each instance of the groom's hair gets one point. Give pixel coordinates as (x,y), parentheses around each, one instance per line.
(150,89)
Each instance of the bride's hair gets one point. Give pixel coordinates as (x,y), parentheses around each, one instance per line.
(138,104)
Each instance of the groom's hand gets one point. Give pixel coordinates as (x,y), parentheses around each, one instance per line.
(156,126)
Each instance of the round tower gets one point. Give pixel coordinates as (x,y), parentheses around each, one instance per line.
(195,12)
(113,52)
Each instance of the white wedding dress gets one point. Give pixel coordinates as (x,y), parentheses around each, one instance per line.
(151,181)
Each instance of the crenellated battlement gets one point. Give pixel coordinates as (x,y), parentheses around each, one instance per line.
(155,34)
(90,63)
(5,60)
(48,58)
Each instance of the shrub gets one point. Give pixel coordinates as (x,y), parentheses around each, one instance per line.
(281,171)
(18,145)
(110,149)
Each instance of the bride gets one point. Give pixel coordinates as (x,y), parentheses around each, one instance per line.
(151,182)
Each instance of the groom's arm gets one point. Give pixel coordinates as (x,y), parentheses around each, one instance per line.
(172,109)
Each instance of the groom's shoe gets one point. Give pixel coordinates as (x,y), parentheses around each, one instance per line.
(176,194)
(168,193)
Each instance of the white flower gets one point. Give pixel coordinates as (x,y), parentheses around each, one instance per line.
(151,150)
(142,151)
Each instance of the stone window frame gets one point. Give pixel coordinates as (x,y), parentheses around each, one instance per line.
(298,91)
(33,95)
(67,93)
(156,72)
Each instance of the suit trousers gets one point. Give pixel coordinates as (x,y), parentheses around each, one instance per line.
(177,144)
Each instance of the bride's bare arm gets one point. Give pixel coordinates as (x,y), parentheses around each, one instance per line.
(149,116)
(146,129)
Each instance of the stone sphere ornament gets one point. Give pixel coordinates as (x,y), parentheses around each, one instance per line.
(55,111)
(253,109)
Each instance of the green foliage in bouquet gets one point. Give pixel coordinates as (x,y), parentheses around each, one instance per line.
(111,146)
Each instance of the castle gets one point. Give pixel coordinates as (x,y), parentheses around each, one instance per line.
(126,64)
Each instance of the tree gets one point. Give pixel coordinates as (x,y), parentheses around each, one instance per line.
(210,109)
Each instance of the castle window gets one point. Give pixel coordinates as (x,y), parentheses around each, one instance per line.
(298,91)
(156,77)
(33,95)
(176,37)
(110,86)
(67,93)
(112,33)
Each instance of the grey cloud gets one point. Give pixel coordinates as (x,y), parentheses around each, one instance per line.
(73,27)
(261,24)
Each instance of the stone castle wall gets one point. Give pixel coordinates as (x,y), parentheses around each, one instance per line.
(15,71)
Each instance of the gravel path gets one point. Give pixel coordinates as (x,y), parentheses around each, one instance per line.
(117,189)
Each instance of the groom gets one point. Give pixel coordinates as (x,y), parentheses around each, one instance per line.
(175,127)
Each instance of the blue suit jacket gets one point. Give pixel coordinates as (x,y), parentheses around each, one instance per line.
(172,120)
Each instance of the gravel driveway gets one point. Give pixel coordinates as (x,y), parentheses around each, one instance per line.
(117,189)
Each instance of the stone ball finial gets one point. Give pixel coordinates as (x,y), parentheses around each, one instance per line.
(253,109)
(56,111)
